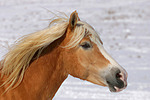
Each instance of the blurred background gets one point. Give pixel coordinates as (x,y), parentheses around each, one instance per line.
(123,25)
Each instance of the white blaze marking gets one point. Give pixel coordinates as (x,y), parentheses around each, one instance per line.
(96,40)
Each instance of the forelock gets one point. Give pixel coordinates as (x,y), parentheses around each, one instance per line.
(89,30)
(81,30)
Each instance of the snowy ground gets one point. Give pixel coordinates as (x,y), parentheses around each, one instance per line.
(124,26)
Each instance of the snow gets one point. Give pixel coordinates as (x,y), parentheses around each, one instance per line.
(123,25)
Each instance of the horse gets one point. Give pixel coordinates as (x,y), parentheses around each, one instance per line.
(37,64)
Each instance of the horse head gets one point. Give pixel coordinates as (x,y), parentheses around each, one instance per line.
(86,58)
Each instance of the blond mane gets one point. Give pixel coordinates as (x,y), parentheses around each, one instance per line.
(17,60)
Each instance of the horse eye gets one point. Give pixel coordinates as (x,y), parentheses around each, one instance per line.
(85,45)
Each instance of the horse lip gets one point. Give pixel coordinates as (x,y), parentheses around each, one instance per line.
(114,88)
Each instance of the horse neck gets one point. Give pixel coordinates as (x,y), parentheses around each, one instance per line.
(47,73)
(44,76)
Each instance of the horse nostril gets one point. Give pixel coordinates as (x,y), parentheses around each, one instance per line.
(119,79)
(118,75)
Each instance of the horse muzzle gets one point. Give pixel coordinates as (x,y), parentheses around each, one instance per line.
(117,79)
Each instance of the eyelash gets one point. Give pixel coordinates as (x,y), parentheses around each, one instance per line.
(85,45)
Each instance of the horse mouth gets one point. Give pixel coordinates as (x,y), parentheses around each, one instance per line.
(121,85)
(115,88)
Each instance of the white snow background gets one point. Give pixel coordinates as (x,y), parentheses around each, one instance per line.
(123,25)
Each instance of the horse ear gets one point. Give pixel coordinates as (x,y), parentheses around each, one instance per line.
(73,20)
